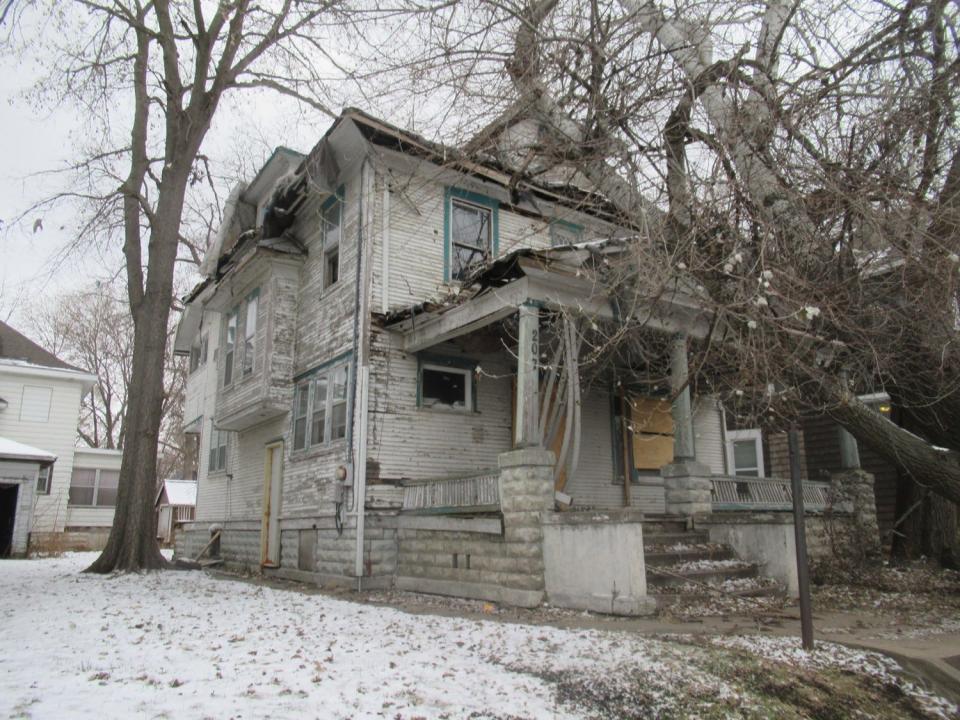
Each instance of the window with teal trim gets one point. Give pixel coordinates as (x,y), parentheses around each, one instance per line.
(470,230)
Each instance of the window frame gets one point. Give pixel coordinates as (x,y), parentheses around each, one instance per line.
(230,346)
(444,363)
(308,383)
(467,387)
(248,362)
(217,453)
(330,247)
(735,436)
(465,198)
(45,472)
(96,487)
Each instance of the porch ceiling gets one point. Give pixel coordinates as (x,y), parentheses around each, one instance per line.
(549,279)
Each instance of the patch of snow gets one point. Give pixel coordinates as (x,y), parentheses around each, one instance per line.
(18,451)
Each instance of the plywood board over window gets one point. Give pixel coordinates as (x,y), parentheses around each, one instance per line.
(651,424)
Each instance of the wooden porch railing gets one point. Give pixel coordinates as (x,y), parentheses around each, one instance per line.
(479,492)
(750,493)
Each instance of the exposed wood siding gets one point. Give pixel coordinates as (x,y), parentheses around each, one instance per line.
(406,441)
(708,434)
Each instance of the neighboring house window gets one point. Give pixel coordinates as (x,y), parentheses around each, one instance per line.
(93,488)
(446,387)
(745,452)
(229,347)
(320,408)
(565,233)
(218,449)
(35,404)
(250,331)
(331,219)
(470,231)
(43,479)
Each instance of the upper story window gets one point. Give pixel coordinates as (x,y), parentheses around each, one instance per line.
(320,408)
(229,347)
(331,220)
(35,403)
(250,331)
(471,230)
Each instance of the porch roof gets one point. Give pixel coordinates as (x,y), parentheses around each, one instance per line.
(553,279)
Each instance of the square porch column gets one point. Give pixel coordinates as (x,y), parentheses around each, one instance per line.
(527,421)
(687,483)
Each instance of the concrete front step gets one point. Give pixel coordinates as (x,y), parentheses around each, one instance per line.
(663,555)
(709,572)
(693,537)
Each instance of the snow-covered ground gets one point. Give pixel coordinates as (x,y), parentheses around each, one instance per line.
(186,645)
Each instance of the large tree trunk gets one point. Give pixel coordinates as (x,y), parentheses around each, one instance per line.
(933,468)
(927,527)
(132,544)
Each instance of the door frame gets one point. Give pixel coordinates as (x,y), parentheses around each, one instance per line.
(272,494)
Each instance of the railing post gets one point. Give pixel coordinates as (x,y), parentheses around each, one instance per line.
(800,536)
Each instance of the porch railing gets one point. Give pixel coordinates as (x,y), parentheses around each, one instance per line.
(469,493)
(750,493)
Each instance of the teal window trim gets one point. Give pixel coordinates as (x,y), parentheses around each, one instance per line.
(564,225)
(472,198)
(338,196)
(234,314)
(343,360)
(457,363)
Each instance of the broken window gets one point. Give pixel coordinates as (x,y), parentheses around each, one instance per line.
(330,221)
(445,387)
(470,236)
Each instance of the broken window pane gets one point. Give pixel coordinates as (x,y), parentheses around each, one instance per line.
(446,387)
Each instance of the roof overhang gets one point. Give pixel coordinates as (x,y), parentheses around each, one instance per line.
(13,450)
(553,286)
(15,367)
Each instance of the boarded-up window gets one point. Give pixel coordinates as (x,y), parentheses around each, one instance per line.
(35,404)
(651,426)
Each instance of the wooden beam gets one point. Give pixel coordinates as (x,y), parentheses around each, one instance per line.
(479,312)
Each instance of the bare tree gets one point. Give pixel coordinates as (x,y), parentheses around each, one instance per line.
(803,165)
(150,77)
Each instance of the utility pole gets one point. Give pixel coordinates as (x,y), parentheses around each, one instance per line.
(800,536)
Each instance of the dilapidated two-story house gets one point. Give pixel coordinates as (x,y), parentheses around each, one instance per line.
(385,359)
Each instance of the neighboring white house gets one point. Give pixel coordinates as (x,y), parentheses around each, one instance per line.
(40,406)
(20,467)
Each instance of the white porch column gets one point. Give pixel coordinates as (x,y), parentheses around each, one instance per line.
(849,450)
(683,443)
(527,420)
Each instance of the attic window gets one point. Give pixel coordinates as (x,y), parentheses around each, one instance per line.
(445,387)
